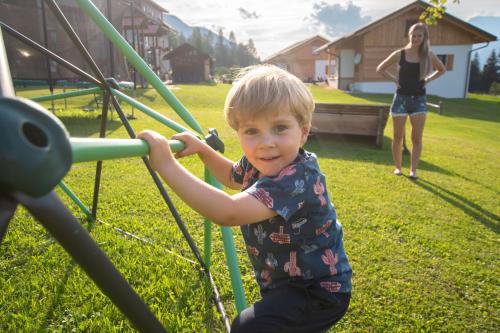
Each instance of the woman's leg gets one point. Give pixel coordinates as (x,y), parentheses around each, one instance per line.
(398,123)
(417,130)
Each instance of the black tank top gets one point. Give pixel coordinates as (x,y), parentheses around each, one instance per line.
(409,77)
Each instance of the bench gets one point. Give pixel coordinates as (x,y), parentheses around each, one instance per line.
(351,119)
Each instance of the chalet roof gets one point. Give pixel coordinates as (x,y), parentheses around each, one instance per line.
(157,5)
(294,46)
(182,50)
(482,36)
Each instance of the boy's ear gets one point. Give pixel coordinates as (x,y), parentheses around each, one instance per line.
(305,133)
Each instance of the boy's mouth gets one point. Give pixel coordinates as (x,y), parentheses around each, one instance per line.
(266,159)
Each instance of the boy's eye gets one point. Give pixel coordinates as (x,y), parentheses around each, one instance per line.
(280,128)
(250,131)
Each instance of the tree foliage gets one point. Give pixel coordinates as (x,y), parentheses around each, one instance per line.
(486,80)
(434,12)
(475,75)
(226,52)
(490,73)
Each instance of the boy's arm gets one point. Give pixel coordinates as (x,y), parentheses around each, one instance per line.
(212,203)
(218,165)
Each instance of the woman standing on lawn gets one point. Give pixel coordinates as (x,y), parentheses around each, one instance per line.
(415,62)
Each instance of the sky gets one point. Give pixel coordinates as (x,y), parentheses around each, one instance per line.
(276,24)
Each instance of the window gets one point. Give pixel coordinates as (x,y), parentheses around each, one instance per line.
(447,60)
(53,66)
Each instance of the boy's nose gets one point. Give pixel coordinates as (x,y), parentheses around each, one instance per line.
(267,140)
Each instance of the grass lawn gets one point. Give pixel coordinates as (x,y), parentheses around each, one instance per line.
(425,254)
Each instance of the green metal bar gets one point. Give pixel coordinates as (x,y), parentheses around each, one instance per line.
(207,227)
(170,98)
(150,112)
(138,63)
(88,149)
(76,200)
(75,93)
(231,258)
(234,269)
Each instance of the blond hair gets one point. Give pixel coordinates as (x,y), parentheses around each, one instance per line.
(424,49)
(265,89)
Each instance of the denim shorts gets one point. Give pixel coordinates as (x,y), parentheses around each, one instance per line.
(406,105)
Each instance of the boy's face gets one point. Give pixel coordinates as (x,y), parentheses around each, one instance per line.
(272,142)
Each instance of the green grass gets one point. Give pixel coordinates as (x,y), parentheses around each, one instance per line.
(424,254)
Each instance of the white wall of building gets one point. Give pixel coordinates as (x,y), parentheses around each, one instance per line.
(320,69)
(451,85)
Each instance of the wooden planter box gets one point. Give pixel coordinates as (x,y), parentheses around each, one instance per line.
(351,119)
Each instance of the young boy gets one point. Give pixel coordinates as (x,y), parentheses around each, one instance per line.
(288,223)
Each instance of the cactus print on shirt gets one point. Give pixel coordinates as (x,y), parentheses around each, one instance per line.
(303,242)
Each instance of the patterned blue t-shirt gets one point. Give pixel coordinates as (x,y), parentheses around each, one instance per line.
(303,243)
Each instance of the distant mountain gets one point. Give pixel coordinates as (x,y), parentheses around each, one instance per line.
(185,29)
(489,24)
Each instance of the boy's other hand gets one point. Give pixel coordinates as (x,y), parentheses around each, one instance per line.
(159,149)
(192,144)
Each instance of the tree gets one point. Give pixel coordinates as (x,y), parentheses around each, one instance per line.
(233,50)
(182,39)
(173,40)
(220,50)
(475,75)
(434,12)
(209,42)
(490,72)
(196,39)
(242,56)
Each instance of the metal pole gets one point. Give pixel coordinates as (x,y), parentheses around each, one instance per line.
(7,209)
(7,204)
(48,53)
(98,169)
(104,114)
(144,69)
(75,93)
(60,223)
(74,37)
(46,44)
(150,112)
(175,214)
(76,200)
(93,149)
(138,63)
(110,45)
(6,87)
(57,219)
(135,48)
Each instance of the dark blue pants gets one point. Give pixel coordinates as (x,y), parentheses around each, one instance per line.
(291,309)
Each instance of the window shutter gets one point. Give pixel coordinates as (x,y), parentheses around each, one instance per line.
(449,62)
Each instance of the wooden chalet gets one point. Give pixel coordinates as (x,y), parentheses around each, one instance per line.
(189,65)
(302,60)
(139,21)
(355,57)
